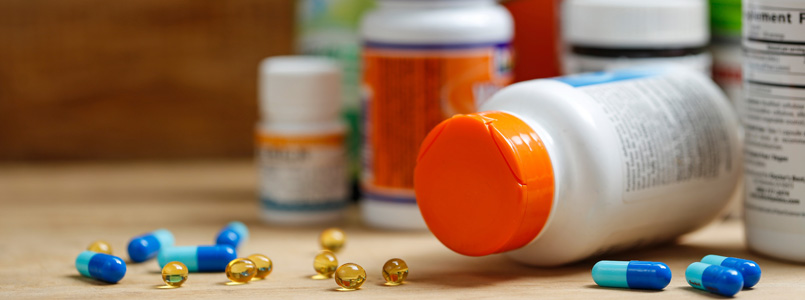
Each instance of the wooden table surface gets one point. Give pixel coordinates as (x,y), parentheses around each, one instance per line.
(50,213)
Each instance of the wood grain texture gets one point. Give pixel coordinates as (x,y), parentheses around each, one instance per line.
(94,79)
(50,213)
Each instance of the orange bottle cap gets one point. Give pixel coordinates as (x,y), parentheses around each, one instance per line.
(484,183)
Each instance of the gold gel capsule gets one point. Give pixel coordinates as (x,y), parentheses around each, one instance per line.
(263,263)
(325,263)
(332,239)
(100,246)
(174,273)
(241,270)
(350,276)
(395,271)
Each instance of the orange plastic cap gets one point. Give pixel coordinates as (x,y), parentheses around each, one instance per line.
(484,183)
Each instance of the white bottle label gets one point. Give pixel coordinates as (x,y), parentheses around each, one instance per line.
(302,173)
(774,114)
(670,133)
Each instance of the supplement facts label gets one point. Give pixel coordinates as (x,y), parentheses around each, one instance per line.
(669,132)
(774,114)
(302,173)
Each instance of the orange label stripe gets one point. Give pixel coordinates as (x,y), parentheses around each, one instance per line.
(304,140)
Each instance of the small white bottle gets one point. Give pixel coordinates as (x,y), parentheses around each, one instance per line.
(604,35)
(423,61)
(773,114)
(558,170)
(301,156)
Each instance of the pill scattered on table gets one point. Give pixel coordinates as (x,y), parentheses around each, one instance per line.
(632,274)
(715,279)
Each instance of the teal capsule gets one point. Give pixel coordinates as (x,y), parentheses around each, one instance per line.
(100,266)
(748,269)
(715,279)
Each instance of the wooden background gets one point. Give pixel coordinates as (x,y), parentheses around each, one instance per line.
(135,79)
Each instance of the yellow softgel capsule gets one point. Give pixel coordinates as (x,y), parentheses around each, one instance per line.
(263,264)
(350,276)
(241,270)
(325,263)
(174,273)
(100,246)
(332,239)
(395,271)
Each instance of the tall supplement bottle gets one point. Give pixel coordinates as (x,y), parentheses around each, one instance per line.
(423,62)
(773,112)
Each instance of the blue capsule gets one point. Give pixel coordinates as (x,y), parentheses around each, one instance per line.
(199,258)
(146,246)
(100,266)
(234,234)
(632,274)
(715,279)
(748,269)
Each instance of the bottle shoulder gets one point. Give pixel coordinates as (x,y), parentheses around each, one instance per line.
(472,24)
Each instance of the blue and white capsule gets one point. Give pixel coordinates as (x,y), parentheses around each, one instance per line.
(100,266)
(234,234)
(748,269)
(714,278)
(632,274)
(199,258)
(146,246)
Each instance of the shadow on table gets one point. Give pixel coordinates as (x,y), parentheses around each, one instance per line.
(675,254)
(87,280)
(468,272)
(597,287)
(693,290)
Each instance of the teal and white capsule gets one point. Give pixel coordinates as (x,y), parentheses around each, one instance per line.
(715,279)
(100,266)
(234,234)
(199,258)
(748,269)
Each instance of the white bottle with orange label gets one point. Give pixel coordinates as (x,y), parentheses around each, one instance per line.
(423,61)
(301,155)
(558,170)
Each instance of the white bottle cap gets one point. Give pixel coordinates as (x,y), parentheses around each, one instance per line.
(299,89)
(636,23)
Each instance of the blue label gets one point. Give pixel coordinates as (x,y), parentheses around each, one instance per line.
(382,197)
(319,205)
(607,76)
(457,46)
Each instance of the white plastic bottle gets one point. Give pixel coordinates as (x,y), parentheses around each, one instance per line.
(603,35)
(773,112)
(558,170)
(423,62)
(301,156)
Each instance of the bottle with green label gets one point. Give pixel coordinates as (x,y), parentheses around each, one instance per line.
(725,45)
(330,28)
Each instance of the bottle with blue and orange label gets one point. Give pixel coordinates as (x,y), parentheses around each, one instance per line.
(422,62)
(300,141)
(557,170)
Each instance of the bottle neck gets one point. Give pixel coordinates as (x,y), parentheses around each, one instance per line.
(637,52)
